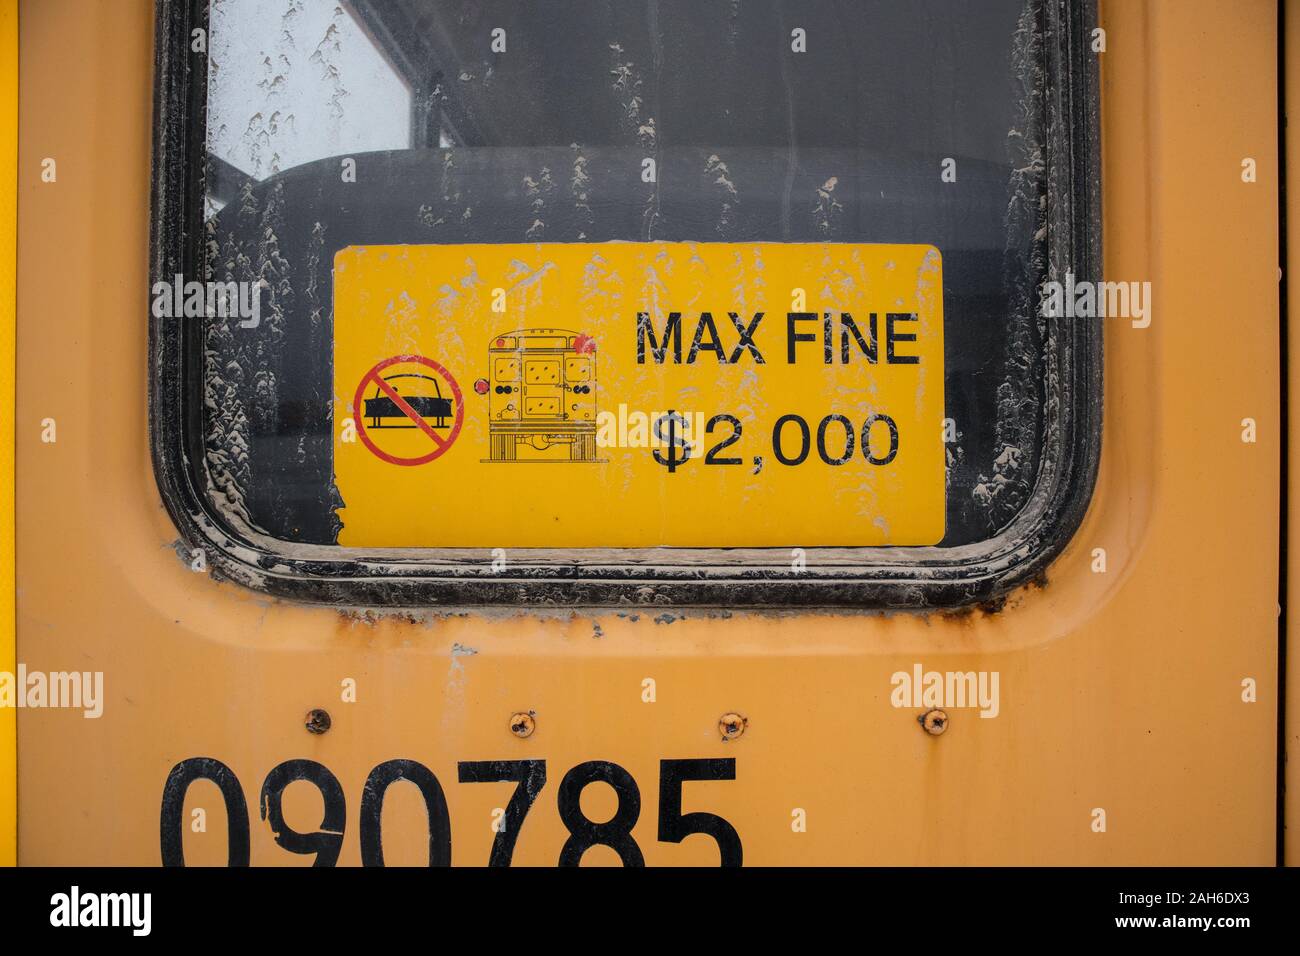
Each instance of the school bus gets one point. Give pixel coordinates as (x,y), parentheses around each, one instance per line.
(542,396)
(979,558)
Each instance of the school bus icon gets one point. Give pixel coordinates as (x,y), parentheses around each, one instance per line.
(541,393)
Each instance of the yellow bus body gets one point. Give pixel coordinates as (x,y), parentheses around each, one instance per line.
(1122,689)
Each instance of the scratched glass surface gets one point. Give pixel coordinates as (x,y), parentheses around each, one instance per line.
(458,142)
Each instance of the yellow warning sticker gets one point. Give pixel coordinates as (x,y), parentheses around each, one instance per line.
(583,395)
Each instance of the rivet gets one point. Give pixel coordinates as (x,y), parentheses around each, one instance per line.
(318,721)
(523,724)
(731,726)
(935,721)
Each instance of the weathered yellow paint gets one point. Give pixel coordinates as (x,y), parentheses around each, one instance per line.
(8,264)
(1291,729)
(588,398)
(1119,690)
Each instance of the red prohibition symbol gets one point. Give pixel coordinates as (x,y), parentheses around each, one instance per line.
(387,403)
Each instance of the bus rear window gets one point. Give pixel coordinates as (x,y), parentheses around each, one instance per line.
(669,275)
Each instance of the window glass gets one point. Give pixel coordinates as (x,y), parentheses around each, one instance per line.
(871,177)
(289,83)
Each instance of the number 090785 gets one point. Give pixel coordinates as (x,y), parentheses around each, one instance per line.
(529,777)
